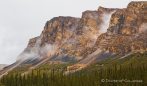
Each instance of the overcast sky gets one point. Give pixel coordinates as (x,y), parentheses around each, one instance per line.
(21,20)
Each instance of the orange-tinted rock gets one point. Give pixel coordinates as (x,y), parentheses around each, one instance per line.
(54,35)
(125,30)
(66,39)
(128,20)
(58,30)
(78,38)
(86,33)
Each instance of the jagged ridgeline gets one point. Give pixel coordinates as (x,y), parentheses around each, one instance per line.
(67,39)
(104,33)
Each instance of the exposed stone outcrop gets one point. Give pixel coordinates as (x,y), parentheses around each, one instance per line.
(128,20)
(115,31)
(105,33)
(86,33)
(126,32)
(54,35)
(58,30)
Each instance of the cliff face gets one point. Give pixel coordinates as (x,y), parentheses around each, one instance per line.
(110,31)
(55,33)
(58,30)
(88,29)
(128,20)
(105,33)
(126,28)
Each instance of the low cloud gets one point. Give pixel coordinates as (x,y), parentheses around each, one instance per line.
(143,28)
(106,20)
(49,49)
(37,51)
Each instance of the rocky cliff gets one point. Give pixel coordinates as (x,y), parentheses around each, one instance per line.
(55,34)
(115,31)
(104,33)
(68,38)
(91,25)
(127,26)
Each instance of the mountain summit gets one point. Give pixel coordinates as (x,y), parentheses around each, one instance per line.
(104,33)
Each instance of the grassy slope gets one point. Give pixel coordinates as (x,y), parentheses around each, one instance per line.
(135,60)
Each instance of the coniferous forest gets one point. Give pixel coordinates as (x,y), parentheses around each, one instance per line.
(128,71)
(103,47)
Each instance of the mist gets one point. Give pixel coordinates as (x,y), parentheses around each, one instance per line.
(103,28)
(143,28)
(25,19)
(31,52)
(36,51)
(48,50)
(106,20)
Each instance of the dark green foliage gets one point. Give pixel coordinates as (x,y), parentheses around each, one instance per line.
(133,67)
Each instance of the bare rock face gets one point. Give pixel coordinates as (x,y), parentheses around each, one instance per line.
(54,35)
(128,20)
(58,30)
(86,33)
(115,31)
(126,32)
(105,33)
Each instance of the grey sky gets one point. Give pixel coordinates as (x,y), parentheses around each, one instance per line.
(21,20)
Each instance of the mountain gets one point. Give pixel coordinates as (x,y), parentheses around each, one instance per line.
(55,34)
(100,34)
